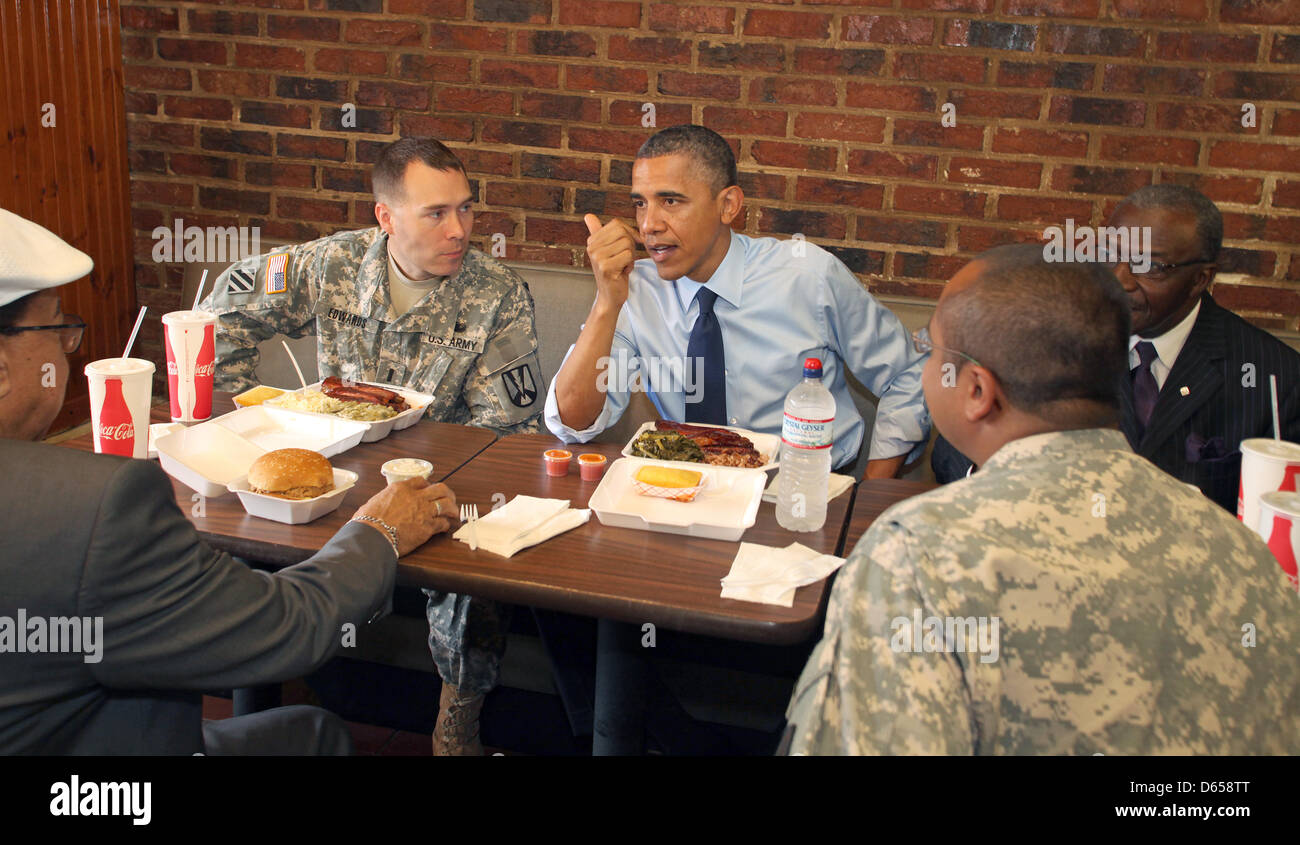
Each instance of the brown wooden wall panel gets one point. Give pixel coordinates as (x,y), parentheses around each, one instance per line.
(71,177)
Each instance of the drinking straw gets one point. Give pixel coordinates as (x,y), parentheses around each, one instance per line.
(198,294)
(126,353)
(296,368)
(1277,429)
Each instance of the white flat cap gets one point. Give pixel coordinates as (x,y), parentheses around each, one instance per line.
(33,258)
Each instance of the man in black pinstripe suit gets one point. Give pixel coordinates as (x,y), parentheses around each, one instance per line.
(1205,369)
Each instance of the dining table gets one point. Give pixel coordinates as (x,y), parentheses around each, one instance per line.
(631,581)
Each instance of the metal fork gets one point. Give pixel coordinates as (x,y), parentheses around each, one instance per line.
(469,513)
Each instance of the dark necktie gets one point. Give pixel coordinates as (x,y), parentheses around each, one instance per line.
(706,343)
(1145,389)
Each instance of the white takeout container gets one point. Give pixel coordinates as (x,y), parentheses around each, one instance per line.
(206,457)
(293,511)
(160,430)
(374,430)
(725,507)
(764,444)
(277,428)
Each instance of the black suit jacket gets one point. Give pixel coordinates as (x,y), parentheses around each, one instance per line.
(1217,395)
(85,535)
(1196,436)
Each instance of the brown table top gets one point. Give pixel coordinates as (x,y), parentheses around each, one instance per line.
(615,573)
(872,498)
(226,526)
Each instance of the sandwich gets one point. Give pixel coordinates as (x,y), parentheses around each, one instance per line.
(291,474)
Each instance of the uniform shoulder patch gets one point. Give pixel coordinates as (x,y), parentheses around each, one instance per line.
(277,273)
(241,281)
(520,384)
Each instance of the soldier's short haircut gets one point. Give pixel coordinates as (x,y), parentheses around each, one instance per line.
(1185,200)
(389,170)
(1055,334)
(710,151)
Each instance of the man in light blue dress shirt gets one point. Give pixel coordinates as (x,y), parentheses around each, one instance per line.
(777,303)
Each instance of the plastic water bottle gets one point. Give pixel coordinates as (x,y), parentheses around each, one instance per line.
(806,435)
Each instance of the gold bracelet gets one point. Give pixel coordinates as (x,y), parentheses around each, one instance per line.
(389,531)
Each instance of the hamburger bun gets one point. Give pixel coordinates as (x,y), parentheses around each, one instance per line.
(291,474)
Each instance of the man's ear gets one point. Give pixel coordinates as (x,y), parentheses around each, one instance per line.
(384,216)
(6,381)
(981,395)
(731,200)
(1204,278)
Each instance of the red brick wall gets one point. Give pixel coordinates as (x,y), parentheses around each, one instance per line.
(1062,107)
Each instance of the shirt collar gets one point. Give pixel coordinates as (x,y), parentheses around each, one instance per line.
(726,281)
(1055,445)
(1169,344)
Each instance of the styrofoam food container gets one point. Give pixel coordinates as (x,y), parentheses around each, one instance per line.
(765,444)
(374,430)
(725,507)
(157,430)
(293,511)
(277,428)
(206,457)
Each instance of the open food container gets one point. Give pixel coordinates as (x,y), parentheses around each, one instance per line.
(725,505)
(294,511)
(206,457)
(375,430)
(276,428)
(764,444)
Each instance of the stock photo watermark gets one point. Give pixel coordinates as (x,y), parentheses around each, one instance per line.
(1105,244)
(75,797)
(951,634)
(22,634)
(205,244)
(667,373)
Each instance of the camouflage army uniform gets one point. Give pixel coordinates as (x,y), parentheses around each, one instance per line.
(470,342)
(1121,595)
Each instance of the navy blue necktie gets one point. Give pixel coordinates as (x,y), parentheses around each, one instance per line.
(706,343)
(1145,389)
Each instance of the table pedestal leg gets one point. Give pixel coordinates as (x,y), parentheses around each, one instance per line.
(255,699)
(621,684)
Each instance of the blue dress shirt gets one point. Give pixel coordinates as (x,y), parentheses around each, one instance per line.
(779,302)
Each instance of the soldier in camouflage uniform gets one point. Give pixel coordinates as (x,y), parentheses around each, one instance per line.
(410,304)
(1133,615)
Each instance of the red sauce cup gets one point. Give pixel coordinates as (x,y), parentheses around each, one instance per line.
(591,466)
(557,461)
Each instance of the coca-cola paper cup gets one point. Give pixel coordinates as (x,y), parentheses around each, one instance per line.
(1266,465)
(189,338)
(120,392)
(1279,525)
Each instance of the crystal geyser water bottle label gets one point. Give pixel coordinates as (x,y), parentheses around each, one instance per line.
(806,434)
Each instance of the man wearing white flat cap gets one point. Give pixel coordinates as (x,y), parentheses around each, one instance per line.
(114,615)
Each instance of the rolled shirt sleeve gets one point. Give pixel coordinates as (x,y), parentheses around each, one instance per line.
(874,345)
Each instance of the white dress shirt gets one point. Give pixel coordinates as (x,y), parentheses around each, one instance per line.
(1167,345)
(779,302)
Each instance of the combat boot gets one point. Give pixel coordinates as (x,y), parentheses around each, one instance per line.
(456,733)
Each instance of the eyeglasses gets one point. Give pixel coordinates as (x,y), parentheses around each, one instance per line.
(922,343)
(71,332)
(1154,269)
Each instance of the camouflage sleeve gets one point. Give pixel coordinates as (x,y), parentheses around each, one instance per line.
(254,300)
(865,690)
(504,391)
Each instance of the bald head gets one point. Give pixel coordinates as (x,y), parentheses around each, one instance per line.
(1054,334)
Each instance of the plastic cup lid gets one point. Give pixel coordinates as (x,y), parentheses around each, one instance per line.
(1282,502)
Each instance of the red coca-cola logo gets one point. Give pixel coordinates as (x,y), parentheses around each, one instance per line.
(171,368)
(121,431)
(205,370)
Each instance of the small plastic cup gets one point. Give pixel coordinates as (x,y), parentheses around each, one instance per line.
(557,461)
(401,469)
(591,466)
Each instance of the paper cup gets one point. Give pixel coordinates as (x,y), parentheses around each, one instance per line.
(557,462)
(1279,525)
(188,337)
(402,469)
(120,391)
(1266,466)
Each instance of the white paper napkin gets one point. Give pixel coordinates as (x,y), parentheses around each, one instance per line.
(522,522)
(770,575)
(837,485)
